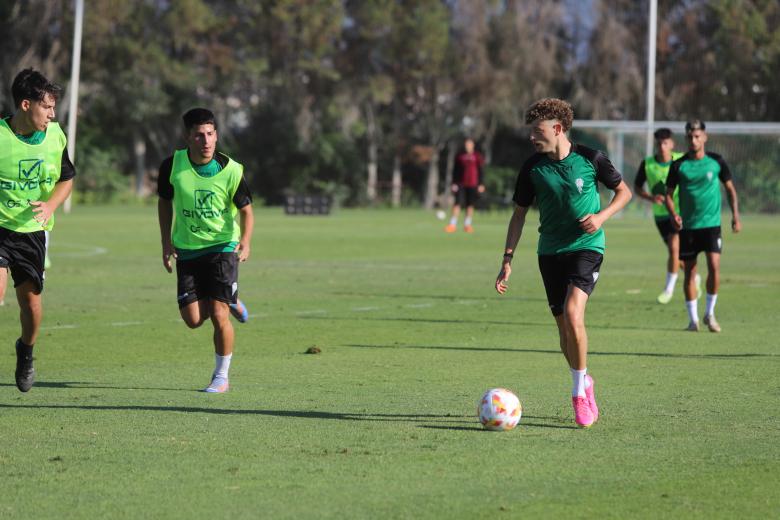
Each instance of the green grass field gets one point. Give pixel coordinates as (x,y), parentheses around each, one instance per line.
(382,423)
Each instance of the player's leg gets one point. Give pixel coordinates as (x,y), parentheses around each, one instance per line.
(223,289)
(453,225)
(713,284)
(193,299)
(3,284)
(583,399)
(689,287)
(195,313)
(672,241)
(468,222)
(28,294)
(563,342)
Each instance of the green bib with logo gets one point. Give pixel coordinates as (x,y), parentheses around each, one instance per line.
(656,182)
(205,214)
(28,172)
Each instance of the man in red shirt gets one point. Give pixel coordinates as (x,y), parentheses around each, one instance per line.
(466,185)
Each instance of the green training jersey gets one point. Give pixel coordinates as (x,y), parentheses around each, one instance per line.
(28,172)
(655,173)
(204,211)
(565,191)
(699,183)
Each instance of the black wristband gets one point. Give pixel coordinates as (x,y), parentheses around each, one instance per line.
(510,255)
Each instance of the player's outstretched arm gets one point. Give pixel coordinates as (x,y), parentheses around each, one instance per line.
(165,217)
(731,192)
(513,233)
(247,222)
(43,210)
(592,222)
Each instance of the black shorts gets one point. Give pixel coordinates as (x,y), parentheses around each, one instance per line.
(211,276)
(666,229)
(24,254)
(466,196)
(578,268)
(694,241)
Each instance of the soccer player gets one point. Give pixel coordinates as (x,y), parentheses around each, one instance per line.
(36,176)
(653,171)
(562,178)
(697,174)
(466,186)
(200,192)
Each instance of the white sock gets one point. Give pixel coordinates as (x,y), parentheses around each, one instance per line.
(453,221)
(467,221)
(671,280)
(222,365)
(578,382)
(693,311)
(711,299)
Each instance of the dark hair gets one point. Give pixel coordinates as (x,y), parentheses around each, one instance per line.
(551,108)
(31,84)
(198,116)
(662,133)
(694,124)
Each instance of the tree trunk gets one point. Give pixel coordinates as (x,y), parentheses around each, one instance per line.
(487,144)
(446,196)
(396,197)
(372,153)
(432,186)
(139,151)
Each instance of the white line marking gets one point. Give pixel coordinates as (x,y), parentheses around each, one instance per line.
(418,305)
(56,327)
(126,323)
(633,291)
(364,309)
(81,251)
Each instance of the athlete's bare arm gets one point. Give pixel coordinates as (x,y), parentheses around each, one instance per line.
(513,233)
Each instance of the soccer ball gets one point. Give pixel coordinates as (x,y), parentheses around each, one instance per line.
(499,409)
(441,215)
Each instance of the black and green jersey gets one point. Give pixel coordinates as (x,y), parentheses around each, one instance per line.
(205,199)
(565,191)
(655,173)
(700,200)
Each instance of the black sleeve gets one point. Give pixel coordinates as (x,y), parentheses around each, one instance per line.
(605,172)
(673,178)
(725,173)
(67,171)
(164,186)
(524,188)
(641,176)
(243,196)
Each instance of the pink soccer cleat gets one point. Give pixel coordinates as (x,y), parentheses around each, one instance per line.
(583,415)
(591,398)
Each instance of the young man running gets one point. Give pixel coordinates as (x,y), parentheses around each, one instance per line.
(653,171)
(36,176)
(562,177)
(466,186)
(201,191)
(697,174)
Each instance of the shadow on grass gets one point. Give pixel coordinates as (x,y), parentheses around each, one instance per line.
(557,352)
(457,298)
(300,414)
(480,322)
(93,386)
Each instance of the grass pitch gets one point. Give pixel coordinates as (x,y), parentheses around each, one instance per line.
(382,423)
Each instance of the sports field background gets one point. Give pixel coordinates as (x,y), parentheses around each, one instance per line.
(382,423)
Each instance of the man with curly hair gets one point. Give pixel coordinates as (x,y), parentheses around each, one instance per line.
(562,178)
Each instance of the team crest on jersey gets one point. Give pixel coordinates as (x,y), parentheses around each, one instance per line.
(579,183)
(709,176)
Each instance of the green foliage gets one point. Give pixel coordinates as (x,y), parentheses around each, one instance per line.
(99,176)
(500,182)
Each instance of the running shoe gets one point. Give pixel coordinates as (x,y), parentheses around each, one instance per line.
(711,324)
(219,385)
(583,415)
(25,373)
(239,312)
(664,298)
(451,228)
(591,398)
